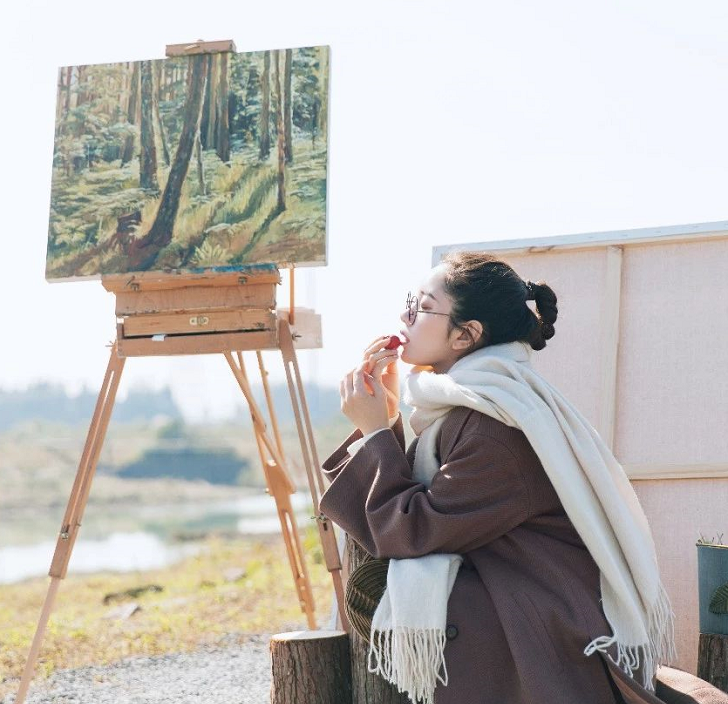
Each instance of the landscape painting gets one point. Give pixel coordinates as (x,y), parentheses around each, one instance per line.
(211,161)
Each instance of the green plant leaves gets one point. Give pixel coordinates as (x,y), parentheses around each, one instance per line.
(719,602)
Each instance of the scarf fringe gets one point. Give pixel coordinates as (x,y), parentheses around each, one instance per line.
(410,658)
(659,649)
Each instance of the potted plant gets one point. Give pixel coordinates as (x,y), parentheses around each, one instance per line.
(713,585)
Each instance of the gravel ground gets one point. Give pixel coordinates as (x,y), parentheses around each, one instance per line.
(237,674)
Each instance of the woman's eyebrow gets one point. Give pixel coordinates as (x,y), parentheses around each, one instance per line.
(428,294)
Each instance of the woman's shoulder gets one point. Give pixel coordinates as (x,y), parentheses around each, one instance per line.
(468,420)
(462,423)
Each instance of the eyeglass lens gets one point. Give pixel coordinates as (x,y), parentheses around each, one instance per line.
(411,307)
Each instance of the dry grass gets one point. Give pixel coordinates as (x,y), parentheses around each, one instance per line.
(197,606)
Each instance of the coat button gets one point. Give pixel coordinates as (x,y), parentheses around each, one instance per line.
(451,632)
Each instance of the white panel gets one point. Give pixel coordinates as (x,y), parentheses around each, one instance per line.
(572,360)
(678,510)
(673,360)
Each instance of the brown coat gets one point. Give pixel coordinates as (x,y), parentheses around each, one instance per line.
(526,600)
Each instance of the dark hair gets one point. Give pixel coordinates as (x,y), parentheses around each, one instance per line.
(488,290)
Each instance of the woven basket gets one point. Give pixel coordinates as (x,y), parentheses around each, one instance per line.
(364,590)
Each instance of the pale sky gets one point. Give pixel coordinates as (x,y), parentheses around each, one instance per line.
(449,122)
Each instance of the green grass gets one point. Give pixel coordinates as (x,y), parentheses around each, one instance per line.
(196,607)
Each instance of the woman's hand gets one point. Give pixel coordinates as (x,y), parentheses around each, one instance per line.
(390,375)
(363,396)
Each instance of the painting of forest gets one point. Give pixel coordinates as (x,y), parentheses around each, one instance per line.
(190,163)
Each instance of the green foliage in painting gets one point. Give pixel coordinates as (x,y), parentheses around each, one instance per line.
(208,254)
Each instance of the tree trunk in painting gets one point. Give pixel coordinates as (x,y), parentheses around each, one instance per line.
(69,76)
(281,204)
(60,114)
(81,86)
(324,83)
(160,233)
(65,76)
(288,129)
(148,149)
(157,117)
(131,113)
(200,165)
(223,111)
(315,110)
(265,108)
(212,78)
(205,119)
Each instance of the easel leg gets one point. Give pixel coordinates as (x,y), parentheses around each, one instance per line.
(75,509)
(310,458)
(285,510)
(280,487)
(268,398)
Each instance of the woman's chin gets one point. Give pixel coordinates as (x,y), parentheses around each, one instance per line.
(408,359)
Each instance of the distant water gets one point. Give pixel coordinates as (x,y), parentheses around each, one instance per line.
(120,552)
(153,546)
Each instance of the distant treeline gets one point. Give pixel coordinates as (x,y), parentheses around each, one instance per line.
(220,466)
(324,403)
(51,402)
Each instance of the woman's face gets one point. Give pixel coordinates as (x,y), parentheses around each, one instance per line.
(428,341)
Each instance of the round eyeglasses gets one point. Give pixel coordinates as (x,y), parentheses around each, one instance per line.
(413,310)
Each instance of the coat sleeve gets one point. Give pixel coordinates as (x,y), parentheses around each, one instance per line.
(478,495)
(333,464)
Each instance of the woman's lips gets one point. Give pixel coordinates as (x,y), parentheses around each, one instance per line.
(403,337)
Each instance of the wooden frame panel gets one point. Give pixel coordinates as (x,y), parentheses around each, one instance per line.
(197,344)
(161,282)
(217,47)
(197,322)
(196,298)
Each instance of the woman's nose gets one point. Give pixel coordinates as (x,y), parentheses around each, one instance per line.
(404,317)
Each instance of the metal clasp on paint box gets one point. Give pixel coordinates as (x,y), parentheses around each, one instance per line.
(199,320)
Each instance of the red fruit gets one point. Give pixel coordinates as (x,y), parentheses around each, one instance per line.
(393,344)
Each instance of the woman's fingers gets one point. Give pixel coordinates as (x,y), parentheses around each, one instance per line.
(366,379)
(359,387)
(389,355)
(376,345)
(379,366)
(375,356)
(377,341)
(347,385)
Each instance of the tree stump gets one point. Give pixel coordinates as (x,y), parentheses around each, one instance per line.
(713,660)
(367,688)
(310,667)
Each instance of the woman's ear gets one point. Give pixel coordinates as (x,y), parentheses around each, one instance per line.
(467,335)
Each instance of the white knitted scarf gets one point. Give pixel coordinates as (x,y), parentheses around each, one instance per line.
(408,628)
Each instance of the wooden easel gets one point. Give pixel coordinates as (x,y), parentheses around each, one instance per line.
(213,312)
(227,314)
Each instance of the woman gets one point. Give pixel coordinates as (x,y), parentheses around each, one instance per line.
(488,567)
